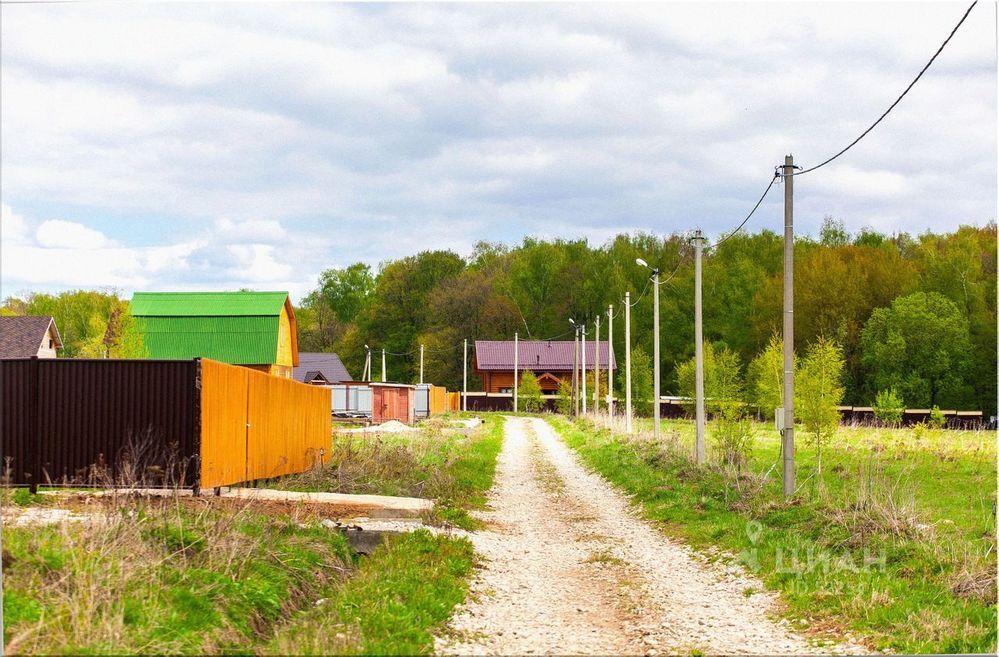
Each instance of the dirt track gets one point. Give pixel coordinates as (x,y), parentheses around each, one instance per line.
(569,569)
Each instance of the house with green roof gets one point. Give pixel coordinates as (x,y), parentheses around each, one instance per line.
(252,329)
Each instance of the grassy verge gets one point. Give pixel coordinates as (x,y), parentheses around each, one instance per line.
(895,543)
(452,466)
(399,595)
(168,578)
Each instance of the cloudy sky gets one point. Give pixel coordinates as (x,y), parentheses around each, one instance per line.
(177,146)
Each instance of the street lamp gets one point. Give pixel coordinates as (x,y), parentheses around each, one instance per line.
(367,364)
(655,346)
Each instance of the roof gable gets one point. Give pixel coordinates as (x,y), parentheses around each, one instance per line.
(21,337)
(207,304)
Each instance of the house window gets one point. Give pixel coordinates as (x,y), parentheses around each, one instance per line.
(50,344)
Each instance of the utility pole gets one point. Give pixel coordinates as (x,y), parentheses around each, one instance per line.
(421,363)
(596,368)
(610,361)
(787,443)
(627,362)
(575,370)
(464,377)
(698,349)
(516,364)
(655,351)
(384,378)
(582,341)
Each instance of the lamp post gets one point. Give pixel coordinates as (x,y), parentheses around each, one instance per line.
(655,346)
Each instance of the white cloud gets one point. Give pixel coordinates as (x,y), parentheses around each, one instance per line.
(290,138)
(56,234)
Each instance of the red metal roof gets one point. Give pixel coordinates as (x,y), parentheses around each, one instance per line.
(552,355)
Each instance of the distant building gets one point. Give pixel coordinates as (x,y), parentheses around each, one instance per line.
(24,337)
(550,361)
(252,329)
(320,368)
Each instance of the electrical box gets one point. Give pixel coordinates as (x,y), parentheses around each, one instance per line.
(779,420)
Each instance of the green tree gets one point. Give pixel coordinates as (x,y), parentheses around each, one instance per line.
(888,407)
(346,290)
(765,377)
(819,391)
(529,393)
(920,346)
(641,382)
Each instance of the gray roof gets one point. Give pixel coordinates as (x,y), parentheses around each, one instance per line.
(20,337)
(329,364)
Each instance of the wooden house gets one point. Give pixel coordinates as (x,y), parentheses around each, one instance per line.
(24,337)
(551,361)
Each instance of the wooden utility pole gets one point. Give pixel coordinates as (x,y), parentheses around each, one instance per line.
(596,368)
(610,360)
(698,350)
(421,363)
(516,366)
(384,378)
(464,377)
(627,362)
(787,443)
(582,348)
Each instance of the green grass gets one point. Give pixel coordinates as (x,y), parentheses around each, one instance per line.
(453,467)
(403,592)
(155,578)
(896,543)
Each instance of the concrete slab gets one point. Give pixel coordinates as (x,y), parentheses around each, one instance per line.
(374,506)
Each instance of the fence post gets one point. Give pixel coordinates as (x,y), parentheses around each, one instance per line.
(36,474)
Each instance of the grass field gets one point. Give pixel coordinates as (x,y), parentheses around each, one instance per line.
(896,543)
(155,576)
(451,466)
(187,576)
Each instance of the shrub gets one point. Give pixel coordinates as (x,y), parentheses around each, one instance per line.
(937,419)
(563,403)
(529,393)
(821,389)
(888,407)
(641,382)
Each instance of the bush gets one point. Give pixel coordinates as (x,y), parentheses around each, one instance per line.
(563,404)
(888,407)
(937,419)
(641,382)
(529,393)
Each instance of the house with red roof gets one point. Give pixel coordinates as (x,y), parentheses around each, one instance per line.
(551,361)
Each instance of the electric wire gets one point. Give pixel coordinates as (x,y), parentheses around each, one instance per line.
(897,100)
(751,213)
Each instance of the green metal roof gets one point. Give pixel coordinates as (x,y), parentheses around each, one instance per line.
(244,340)
(233,327)
(207,304)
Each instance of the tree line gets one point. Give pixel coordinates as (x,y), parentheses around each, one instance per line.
(914,314)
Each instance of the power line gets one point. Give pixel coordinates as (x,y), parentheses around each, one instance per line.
(897,100)
(751,213)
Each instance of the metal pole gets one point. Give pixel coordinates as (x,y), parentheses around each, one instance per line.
(582,341)
(464,378)
(609,398)
(655,353)
(627,363)
(421,363)
(698,350)
(596,368)
(787,444)
(384,378)
(516,364)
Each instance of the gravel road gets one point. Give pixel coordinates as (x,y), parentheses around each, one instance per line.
(570,569)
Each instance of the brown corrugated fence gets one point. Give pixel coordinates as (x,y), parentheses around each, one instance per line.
(155,423)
